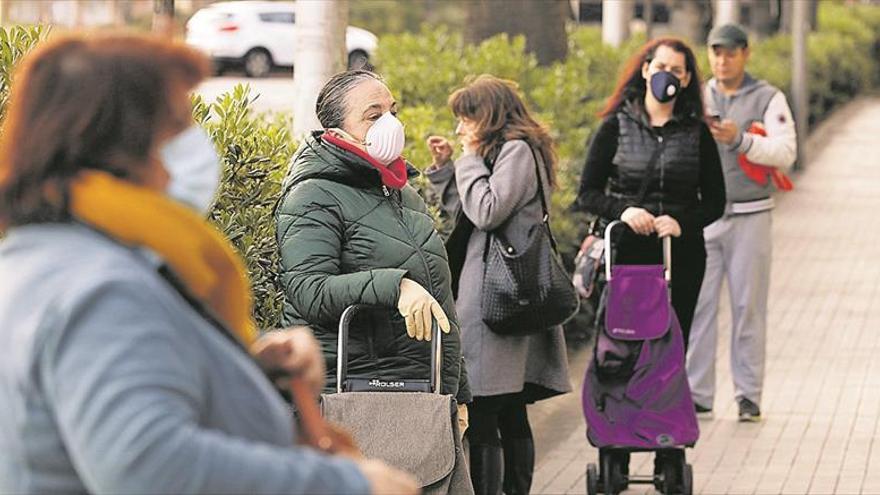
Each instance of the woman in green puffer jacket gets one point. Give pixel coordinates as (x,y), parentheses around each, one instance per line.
(351,230)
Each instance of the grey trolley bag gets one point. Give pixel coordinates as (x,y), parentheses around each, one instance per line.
(407,423)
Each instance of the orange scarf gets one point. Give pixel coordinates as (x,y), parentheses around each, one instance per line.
(199,255)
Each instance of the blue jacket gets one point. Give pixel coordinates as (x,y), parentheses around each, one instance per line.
(111,383)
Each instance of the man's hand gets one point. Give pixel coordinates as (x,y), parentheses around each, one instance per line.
(292,351)
(725,132)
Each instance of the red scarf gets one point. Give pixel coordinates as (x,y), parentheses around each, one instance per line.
(393,175)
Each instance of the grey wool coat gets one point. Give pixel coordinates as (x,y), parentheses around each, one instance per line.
(504,197)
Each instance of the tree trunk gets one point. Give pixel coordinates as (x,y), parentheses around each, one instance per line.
(45,14)
(319,53)
(726,12)
(799,23)
(163,18)
(616,15)
(764,17)
(788,11)
(4,12)
(78,13)
(689,19)
(542,22)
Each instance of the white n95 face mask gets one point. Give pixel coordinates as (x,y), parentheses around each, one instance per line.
(194,167)
(385,139)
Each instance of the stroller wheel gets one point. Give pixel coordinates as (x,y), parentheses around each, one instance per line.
(671,476)
(621,470)
(687,480)
(609,483)
(592,479)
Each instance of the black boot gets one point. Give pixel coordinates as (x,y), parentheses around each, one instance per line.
(519,464)
(486,469)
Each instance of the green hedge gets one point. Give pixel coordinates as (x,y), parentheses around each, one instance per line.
(14,43)
(422,69)
(255,153)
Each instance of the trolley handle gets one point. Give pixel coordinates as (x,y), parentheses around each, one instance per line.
(342,347)
(667,252)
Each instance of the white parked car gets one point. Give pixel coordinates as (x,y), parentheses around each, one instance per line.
(259,36)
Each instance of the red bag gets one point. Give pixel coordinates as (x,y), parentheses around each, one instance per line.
(760,173)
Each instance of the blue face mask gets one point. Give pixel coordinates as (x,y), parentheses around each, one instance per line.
(194,167)
(665,86)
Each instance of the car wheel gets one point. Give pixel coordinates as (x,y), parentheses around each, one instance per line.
(218,68)
(358,59)
(257,63)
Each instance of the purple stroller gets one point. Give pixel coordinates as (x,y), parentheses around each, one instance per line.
(636,396)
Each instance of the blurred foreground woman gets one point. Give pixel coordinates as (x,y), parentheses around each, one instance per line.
(128,359)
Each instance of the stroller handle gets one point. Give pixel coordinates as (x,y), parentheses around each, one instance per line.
(667,252)
(342,351)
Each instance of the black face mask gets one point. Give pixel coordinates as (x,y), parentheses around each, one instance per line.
(665,86)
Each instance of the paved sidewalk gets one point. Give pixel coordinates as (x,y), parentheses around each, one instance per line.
(820,433)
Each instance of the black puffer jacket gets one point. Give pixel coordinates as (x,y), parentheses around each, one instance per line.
(687,182)
(346,239)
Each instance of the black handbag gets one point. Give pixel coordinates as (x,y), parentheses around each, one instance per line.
(528,291)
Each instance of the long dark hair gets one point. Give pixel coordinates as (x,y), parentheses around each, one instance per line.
(631,85)
(501,115)
(82,102)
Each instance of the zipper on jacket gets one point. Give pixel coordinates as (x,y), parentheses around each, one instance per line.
(398,209)
(371,345)
(385,191)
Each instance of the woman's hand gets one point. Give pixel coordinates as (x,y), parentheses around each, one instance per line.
(469,143)
(665,225)
(441,150)
(292,351)
(418,307)
(640,220)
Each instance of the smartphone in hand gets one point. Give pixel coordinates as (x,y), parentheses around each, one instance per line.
(712,117)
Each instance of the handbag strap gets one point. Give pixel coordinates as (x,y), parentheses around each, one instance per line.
(545,216)
(545,208)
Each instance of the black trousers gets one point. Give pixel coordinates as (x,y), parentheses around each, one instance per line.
(498,414)
(688,268)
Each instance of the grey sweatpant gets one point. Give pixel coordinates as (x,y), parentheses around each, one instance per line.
(738,248)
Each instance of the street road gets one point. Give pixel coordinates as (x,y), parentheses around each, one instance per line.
(275,92)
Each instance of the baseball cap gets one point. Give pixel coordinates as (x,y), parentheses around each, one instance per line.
(728,35)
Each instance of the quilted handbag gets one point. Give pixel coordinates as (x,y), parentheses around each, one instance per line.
(527,291)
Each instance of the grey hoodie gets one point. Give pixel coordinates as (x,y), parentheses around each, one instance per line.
(754,101)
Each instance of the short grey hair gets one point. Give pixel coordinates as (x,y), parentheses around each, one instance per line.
(331,104)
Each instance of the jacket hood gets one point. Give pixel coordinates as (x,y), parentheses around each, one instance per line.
(748,85)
